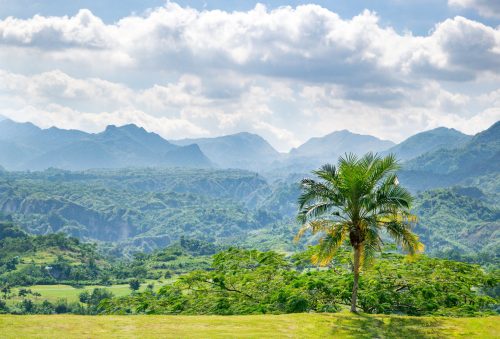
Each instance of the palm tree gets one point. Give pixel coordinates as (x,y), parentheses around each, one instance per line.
(357,200)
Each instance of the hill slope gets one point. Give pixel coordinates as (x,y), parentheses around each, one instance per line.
(459,222)
(445,167)
(141,208)
(428,141)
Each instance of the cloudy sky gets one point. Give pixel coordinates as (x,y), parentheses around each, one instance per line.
(285,70)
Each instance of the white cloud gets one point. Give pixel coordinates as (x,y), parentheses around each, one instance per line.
(486,8)
(288,73)
(307,42)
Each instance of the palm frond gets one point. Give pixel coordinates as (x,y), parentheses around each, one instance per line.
(400,231)
(329,244)
(314,226)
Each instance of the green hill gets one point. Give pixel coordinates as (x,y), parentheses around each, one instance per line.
(445,167)
(47,259)
(143,209)
(459,223)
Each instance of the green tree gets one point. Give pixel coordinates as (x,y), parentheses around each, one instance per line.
(134,284)
(356,200)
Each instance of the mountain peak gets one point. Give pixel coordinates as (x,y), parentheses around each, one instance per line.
(337,143)
(132,127)
(431,140)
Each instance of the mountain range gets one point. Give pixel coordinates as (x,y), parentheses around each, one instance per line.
(24,146)
(454,177)
(440,152)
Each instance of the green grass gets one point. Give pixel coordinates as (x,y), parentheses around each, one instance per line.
(55,292)
(340,325)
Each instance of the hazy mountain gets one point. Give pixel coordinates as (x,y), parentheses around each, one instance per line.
(478,157)
(337,143)
(428,141)
(241,150)
(327,149)
(26,146)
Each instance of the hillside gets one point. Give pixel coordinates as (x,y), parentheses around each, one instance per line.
(144,209)
(241,150)
(459,223)
(428,141)
(45,259)
(26,146)
(140,208)
(446,167)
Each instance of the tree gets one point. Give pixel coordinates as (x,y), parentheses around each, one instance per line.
(134,284)
(355,201)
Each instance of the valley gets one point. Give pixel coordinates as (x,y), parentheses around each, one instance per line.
(76,241)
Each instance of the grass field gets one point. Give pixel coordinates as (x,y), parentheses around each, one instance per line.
(70,293)
(339,325)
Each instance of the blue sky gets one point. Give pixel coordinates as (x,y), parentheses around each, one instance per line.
(287,70)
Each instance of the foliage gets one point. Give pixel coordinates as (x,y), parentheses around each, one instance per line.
(458,223)
(58,258)
(250,282)
(139,209)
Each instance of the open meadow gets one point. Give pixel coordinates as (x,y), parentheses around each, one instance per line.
(338,325)
(53,293)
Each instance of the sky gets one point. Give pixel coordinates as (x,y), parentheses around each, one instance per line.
(286,70)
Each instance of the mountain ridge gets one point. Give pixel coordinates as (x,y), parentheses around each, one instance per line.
(26,146)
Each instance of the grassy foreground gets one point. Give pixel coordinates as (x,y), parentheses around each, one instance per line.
(339,325)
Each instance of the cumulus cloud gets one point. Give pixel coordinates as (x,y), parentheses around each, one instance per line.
(286,73)
(486,8)
(307,42)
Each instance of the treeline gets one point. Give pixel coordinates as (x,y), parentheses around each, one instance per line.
(252,282)
(89,303)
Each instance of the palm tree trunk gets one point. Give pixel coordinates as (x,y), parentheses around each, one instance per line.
(354,298)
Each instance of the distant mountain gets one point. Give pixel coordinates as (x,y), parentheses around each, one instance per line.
(241,150)
(428,141)
(480,156)
(26,146)
(327,149)
(337,143)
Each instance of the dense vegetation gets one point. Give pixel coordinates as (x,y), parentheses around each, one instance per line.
(249,282)
(27,260)
(132,210)
(238,281)
(460,224)
(139,209)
